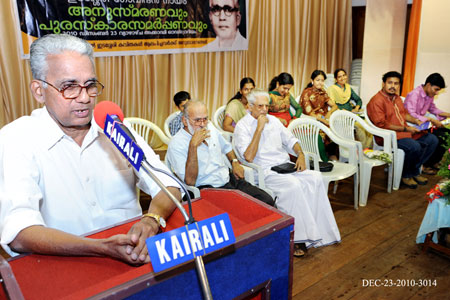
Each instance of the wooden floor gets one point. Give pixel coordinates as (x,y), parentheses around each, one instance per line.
(378,242)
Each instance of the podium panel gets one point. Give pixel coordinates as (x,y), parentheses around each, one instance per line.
(262,255)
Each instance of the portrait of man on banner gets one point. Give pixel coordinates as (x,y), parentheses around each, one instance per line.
(225,17)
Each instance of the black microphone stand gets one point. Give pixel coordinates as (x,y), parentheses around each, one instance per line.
(147,167)
(199,265)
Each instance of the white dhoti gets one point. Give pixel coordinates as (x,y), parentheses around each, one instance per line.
(303,196)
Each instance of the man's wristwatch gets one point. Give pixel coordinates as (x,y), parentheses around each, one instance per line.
(159,220)
(234,160)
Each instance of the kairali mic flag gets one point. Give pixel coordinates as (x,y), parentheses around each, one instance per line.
(136,27)
(171,248)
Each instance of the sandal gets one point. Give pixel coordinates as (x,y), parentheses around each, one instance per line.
(298,252)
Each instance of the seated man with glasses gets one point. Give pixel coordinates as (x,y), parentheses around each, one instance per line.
(197,153)
(225,18)
(61,177)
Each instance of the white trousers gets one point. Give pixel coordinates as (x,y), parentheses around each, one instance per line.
(303,196)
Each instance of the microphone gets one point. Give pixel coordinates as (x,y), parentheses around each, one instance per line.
(109,117)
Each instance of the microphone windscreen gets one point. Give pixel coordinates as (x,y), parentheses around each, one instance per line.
(106,108)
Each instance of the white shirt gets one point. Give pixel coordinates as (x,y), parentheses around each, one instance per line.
(275,139)
(212,169)
(239,43)
(47,179)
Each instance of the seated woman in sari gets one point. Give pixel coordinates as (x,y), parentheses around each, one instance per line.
(237,106)
(342,93)
(316,103)
(345,98)
(281,100)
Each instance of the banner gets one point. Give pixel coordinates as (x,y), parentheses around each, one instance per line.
(134,27)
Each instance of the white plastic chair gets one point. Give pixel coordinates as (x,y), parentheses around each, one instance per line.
(194,190)
(218,118)
(329,81)
(259,179)
(144,128)
(342,123)
(167,121)
(398,154)
(307,130)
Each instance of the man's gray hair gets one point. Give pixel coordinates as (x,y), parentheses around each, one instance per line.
(251,98)
(189,104)
(51,44)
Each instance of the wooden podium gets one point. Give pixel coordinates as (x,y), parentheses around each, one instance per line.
(257,266)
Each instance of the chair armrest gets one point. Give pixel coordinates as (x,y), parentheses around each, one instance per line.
(194,190)
(249,174)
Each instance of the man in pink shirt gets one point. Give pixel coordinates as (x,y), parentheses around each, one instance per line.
(420,101)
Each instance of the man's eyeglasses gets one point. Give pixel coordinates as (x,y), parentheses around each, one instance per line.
(227,10)
(199,121)
(73,90)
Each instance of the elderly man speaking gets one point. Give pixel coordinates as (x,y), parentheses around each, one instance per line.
(262,139)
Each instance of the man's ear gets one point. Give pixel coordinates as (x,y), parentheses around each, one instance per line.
(37,91)
(183,119)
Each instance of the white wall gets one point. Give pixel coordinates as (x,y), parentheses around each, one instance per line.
(384,35)
(433,51)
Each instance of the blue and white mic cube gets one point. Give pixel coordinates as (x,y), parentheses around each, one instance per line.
(180,245)
(123,142)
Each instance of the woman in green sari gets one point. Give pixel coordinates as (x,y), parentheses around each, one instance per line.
(281,100)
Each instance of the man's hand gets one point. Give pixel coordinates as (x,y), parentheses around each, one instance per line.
(412,129)
(138,233)
(117,246)
(419,122)
(436,123)
(262,120)
(238,170)
(300,162)
(199,136)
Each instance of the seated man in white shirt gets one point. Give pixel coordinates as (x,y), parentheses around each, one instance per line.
(262,139)
(197,153)
(61,177)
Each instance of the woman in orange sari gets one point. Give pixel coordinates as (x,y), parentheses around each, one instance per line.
(316,103)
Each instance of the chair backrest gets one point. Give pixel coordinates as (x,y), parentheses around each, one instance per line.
(144,128)
(391,132)
(307,131)
(307,134)
(329,81)
(218,118)
(166,124)
(342,123)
